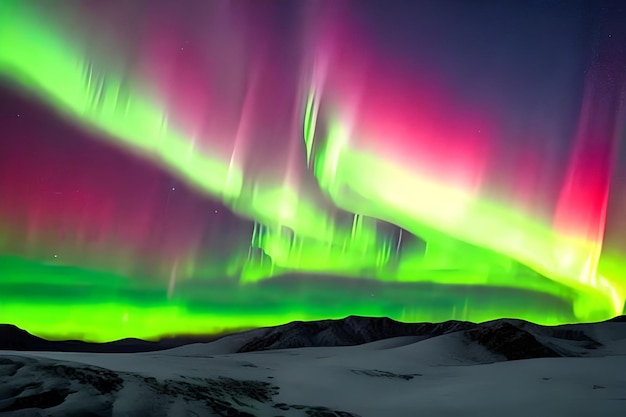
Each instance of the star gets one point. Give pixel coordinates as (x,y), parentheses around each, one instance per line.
(173,188)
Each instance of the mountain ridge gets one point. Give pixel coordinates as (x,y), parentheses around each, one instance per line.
(513,339)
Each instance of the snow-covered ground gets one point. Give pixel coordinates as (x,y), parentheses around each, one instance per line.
(447,375)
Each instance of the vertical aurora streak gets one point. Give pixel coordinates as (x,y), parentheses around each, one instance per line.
(181,183)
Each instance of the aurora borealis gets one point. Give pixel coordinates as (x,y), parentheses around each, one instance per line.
(199,166)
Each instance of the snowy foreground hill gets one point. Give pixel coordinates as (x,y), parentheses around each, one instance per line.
(503,367)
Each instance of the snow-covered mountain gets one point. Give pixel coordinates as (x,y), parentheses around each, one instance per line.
(446,369)
(353,330)
(507,338)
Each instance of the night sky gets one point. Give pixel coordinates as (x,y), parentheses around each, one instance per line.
(198,166)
